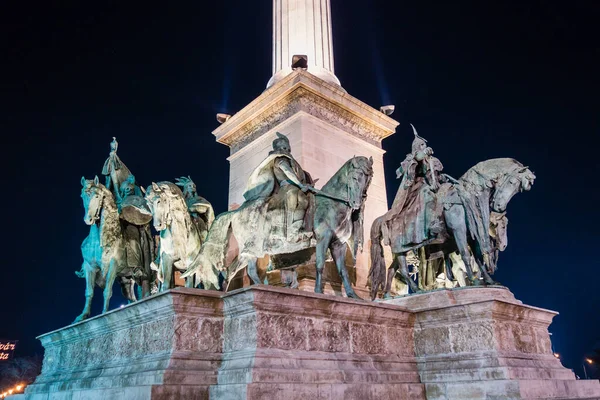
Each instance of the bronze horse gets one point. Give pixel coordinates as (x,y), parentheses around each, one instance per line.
(337,220)
(104,250)
(180,239)
(488,186)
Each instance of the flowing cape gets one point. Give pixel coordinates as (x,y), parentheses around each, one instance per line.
(262,181)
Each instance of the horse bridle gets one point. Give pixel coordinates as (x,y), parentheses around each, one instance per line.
(505,179)
(167,215)
(346,200)
(101,203)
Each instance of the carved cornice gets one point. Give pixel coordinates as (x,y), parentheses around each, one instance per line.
(302,91)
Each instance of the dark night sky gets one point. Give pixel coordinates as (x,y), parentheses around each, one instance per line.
(478,79)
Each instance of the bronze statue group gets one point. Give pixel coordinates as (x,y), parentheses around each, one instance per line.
(451,229)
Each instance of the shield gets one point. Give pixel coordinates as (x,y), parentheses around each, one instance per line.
(134,210)
(198,204)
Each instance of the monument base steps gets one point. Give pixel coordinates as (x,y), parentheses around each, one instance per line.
(263,342)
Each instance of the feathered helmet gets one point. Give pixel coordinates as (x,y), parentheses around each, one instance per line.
(418,143)
(184,181)
(281,139)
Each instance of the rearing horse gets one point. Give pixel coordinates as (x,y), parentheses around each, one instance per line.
(337,220)
(104,250)
(489,185)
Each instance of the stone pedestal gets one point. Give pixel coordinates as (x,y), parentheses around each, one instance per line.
(168,346)
(283,344)
(254,343)
(482,343)
(272,343)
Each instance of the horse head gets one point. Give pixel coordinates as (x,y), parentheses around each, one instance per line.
(93,199)
(157,198)
(360,172)
(516,181)
(499,230)
(166,203)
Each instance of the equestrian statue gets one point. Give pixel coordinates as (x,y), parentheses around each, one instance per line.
(283,214)
(104,250)
(181,237)
(435,214)
(135,218)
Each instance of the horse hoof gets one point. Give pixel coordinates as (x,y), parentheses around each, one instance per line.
(387,296)
(353,295)
(80,318)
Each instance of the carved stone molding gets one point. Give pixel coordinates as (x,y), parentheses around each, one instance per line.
(304,92)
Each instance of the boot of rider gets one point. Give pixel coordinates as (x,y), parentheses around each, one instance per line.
(293,228)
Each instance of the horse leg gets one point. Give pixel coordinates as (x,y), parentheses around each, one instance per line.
(456,221)
(253,271)
(190,281)
(145,288)
(423,268)
(486,275)
(404,272)
(321,249)
(167,272)
(108,285)
(338,252)
(448,265)
(132,291)
(393,268)
(128,289)
(90,282)
(294,284)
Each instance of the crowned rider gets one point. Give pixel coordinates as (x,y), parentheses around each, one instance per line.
(282,177)
(416,211)
(200,209)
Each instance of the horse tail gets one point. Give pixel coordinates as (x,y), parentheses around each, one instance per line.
(219,233)
(211,258)
(377,273)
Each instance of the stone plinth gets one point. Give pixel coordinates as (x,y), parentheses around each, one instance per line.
(168,346)
(263,342)
(482,343)
(254,343)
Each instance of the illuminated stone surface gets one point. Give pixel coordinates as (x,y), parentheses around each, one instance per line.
(254,343)
(482,343)
(271,343)
(302,27)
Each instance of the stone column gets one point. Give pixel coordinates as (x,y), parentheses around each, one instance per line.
(302,27)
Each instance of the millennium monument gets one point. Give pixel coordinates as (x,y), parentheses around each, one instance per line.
(269,300)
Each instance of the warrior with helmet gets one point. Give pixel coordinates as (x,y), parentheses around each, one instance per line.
(135,217)
(416,210)
(200,209)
